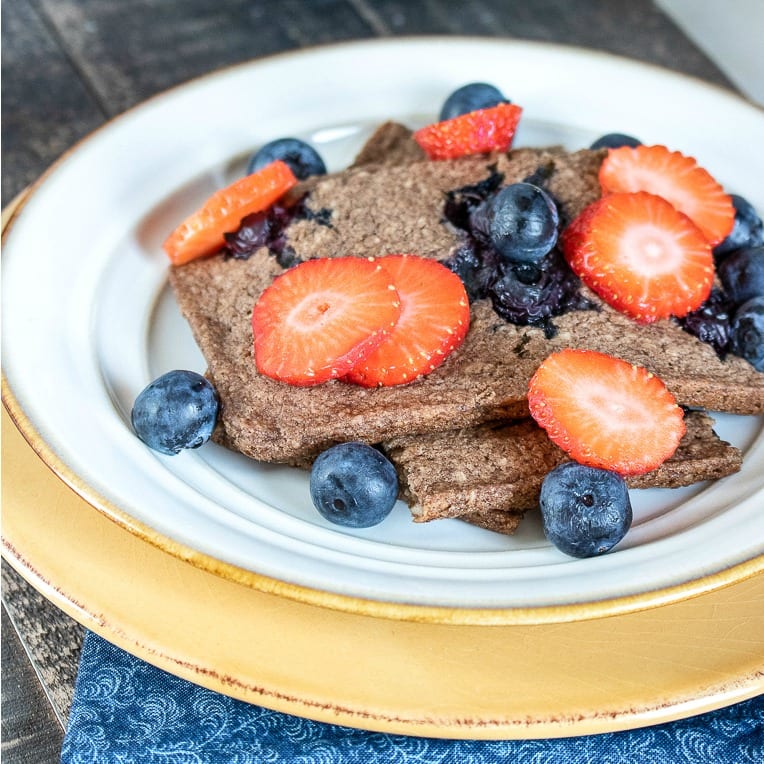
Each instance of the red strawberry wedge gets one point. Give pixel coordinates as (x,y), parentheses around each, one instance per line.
(477,132)
(640,255)
(435,317)
(202,233)
(605,412)
(319,319)
(678,179)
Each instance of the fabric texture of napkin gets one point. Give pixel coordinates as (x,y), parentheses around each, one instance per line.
(125,710)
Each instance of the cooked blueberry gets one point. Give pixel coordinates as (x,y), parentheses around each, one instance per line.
(176,411)
(524,296)
(747,231)
(302,158)
(615,141)
(586,511)
(269,229)
(711,321)
(520,220)
(461,202)
(742,273)
(354,485)
(470,97)
(529,294)
(254,231)
(476,266)
(747,334)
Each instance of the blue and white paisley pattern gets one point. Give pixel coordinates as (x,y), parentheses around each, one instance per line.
(128,712)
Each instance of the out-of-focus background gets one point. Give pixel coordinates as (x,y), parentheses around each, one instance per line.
(730,33)
(68,65)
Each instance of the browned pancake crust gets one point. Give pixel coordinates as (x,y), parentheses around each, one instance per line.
(477,472)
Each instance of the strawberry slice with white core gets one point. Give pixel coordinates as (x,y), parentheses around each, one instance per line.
(435,317)
(641,255)
(319,319)
(605,412)
(677,178)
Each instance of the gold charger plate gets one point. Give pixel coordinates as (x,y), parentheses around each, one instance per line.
(309,589)
(518,680)
(489,682)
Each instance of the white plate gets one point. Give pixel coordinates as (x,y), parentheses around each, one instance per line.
(88,321)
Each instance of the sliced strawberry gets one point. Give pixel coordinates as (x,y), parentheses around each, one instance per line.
(319,319)
(202,233)
(476,132)
(605,412)
(675,177)
(435,317)
(642,256)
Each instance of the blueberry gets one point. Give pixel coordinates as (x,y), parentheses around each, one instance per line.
(302,158)
(353,484)
(264,229)
(526,293)
(521,221)
(176,411)
(747,340)
(529,294)
(711,322)
(475,95)
(586,511)
(747,231)
(615,141)
(476,267)
(742,274)
(461,202)
(254,232)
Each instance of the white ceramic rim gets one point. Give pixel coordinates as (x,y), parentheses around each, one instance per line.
(84,343)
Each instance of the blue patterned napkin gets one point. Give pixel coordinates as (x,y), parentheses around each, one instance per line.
(125,710)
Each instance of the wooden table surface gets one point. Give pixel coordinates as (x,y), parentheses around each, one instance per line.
(70,65)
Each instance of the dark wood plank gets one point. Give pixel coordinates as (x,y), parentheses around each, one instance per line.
(127,52)
(320,21)
(632,28)
(51,639)
(46,107)
(30,730)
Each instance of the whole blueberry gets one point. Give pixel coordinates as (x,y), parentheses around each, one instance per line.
(615,141)
(747,333)
(521,221)
(301,157)
(470,97)
(176,411)
(747,230)
(742,274)
(354,485)
(586,511)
